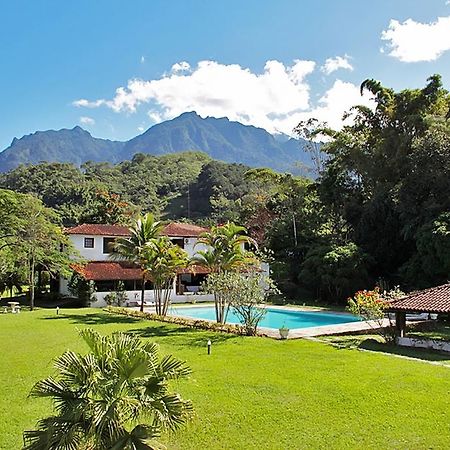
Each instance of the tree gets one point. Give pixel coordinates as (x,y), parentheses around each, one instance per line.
(371,306)
(108,208)
(248,294)
(163,260)
(135,249)
(117,396)
(335,270)
(34,239)
(430,264)
(311,131)
(385,176)
(224,252)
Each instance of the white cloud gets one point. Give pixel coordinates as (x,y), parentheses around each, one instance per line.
(275,99)
(333,64)
(142,59)
(182,66)
(83,103)
(85,120)
(412,41)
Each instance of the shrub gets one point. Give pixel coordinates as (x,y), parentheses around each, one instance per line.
(191,323)
(371,306)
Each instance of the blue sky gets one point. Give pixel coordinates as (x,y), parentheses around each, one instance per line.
(261,62)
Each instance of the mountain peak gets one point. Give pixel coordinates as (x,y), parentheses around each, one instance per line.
(188,114)
(79,130)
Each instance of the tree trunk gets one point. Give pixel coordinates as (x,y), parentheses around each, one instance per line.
(32,281)
(142,292)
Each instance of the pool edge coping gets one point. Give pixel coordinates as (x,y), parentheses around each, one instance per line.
(297,333)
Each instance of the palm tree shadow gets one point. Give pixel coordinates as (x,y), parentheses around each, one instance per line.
(97,318)
(164,332)
(177,335)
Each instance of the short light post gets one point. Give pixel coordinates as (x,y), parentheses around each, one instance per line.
(209,346)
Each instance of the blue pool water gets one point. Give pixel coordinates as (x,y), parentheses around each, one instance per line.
(274,318)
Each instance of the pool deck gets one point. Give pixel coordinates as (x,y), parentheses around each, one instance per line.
(297,333)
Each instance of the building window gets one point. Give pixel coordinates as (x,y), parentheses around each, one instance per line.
(108,244)
(88,242)
(179,242)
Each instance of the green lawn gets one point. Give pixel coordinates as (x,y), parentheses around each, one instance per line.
(440,332)
(251,393)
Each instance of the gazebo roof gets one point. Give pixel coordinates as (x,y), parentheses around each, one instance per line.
(432,300)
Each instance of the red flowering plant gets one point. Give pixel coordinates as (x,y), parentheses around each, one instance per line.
(371,306)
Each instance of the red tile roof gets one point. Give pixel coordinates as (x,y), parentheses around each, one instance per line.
(107,270)
(433,300)
(173,229)
(99,229)
(113,270)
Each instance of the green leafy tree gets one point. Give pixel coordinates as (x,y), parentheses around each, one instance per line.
(225,252)
(35,241)
(135,248)
(430,265)
(163,261)
(115,397)
(335,270)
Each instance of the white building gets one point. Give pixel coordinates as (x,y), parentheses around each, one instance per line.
(93,242)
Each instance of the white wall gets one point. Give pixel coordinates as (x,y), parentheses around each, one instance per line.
(90,254)
(433,344)
(96,253)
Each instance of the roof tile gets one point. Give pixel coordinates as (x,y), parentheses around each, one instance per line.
(173,229)
(433,300)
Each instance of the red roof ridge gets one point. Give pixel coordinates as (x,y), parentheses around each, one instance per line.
(173,229)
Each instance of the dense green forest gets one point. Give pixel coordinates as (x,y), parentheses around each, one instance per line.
(378,210)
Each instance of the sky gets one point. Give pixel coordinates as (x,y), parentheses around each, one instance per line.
(118,67)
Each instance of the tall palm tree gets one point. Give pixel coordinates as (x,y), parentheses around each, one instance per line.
(225,252)
(135,248)
(115,397)
(164,259)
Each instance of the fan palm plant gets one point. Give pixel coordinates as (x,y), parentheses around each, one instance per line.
(115,397)
(164,259)
(225,252)
(135,248)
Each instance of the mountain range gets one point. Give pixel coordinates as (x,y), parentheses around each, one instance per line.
(221,138)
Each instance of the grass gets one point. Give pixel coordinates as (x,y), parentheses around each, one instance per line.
(439,331)
(250,393)
(375,343)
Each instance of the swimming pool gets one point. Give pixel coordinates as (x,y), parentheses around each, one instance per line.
(274,318)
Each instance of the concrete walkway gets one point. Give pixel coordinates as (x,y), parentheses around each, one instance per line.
(342,328)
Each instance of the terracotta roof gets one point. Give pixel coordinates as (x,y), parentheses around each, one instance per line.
(173,229)
(114,270)
(433,300)
(183,230)
(99,229)
(107,270)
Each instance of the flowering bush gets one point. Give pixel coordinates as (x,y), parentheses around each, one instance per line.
(371,306)
(367,304)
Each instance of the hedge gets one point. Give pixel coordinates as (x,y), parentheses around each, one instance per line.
(191,323)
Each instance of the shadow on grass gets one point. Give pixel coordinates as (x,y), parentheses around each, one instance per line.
(417,353)
(97,318)
(178,335)
(171,333)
